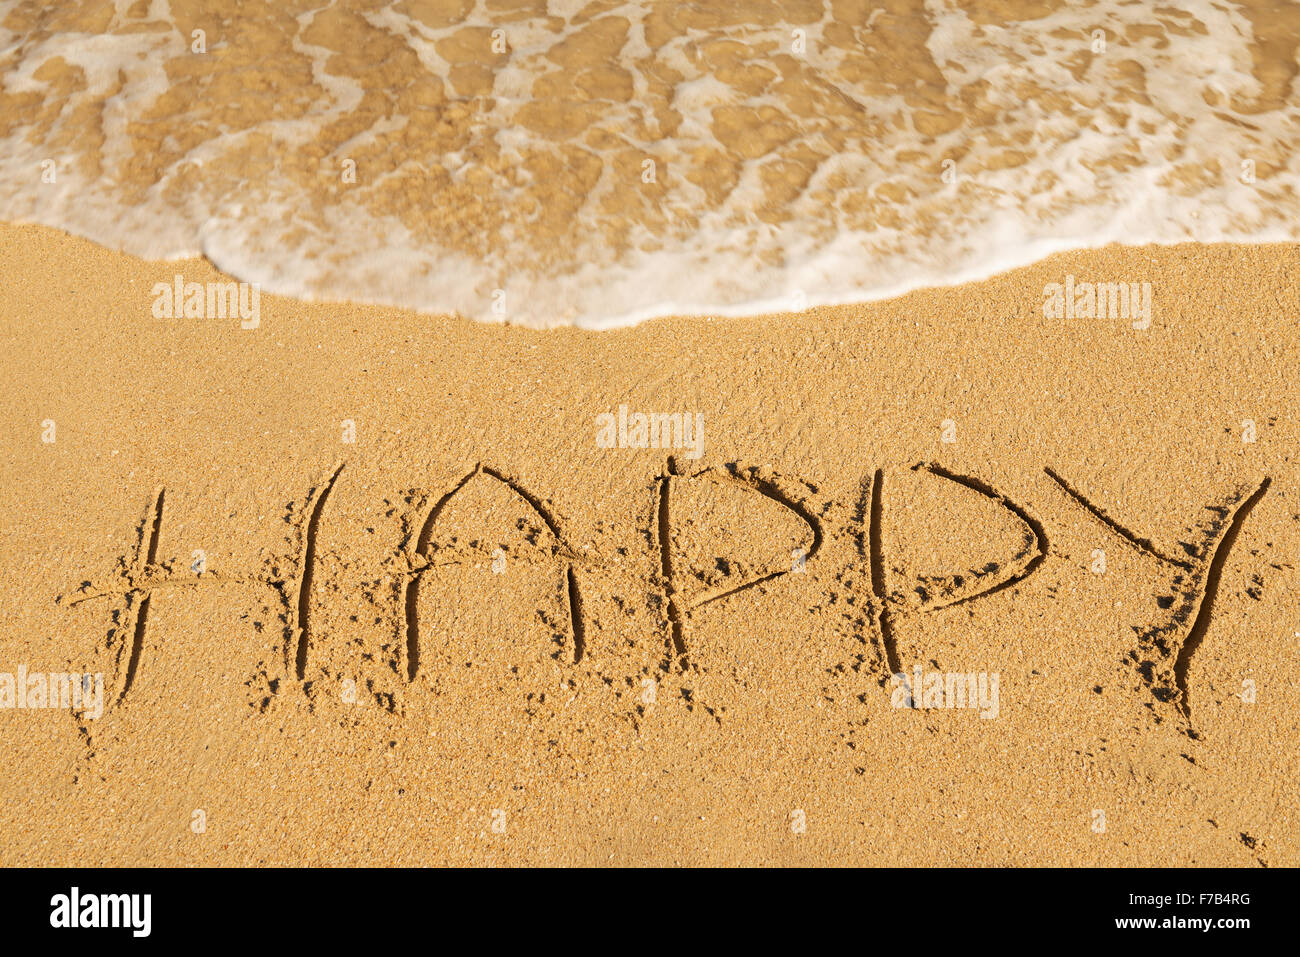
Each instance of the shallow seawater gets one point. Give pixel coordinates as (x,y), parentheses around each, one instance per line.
(602,163)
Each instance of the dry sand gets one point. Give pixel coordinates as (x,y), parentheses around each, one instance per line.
(474,635)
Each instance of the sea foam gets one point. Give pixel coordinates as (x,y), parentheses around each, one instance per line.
(599,164)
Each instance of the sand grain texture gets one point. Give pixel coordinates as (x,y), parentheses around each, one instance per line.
(563,653)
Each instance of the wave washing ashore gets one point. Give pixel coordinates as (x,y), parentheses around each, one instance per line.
(601,163)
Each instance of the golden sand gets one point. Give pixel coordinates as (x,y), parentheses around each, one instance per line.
(473,634)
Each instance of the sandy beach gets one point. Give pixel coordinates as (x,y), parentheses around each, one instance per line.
(371,586)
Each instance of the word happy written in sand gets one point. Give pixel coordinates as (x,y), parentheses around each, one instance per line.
(1161,655)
